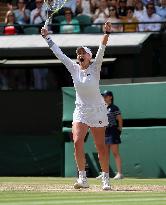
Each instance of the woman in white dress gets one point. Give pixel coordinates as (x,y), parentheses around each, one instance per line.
(90,111)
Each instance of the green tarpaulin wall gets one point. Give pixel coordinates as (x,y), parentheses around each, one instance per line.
(143,152)
(143,149)
(136,101)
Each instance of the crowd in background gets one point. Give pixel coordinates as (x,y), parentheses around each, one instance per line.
(124,15)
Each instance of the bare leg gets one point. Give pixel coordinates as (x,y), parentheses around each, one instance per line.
(79,132)
(115,150)
(99,139)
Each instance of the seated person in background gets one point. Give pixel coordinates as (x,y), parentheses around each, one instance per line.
(70,24)
(9,5)
(133,26)
(102,13)
(139,9)
(38,15)
(113,3)
(22,15)
(122,9)
(161,10)
(85,7)
(71,4)
(114,18)
(150,16)
(30,4)
(11,27)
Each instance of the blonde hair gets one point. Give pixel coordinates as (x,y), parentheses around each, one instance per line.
(7,16)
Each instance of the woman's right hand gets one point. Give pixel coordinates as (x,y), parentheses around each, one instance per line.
(44,32)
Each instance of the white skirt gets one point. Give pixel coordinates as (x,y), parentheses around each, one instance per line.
(91,116)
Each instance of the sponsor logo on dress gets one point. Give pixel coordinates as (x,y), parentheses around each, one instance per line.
(100,122)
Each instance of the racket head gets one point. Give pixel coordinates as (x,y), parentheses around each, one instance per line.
(54,6)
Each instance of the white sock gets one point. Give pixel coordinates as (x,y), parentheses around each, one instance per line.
(82,173)
(105,174)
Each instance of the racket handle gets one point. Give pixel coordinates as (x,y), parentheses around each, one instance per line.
(46,24)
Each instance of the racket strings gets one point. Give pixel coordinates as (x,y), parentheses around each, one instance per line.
(52,7)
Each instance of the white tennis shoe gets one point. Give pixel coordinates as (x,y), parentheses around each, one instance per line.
(106,181)
(82,181)
(118,176)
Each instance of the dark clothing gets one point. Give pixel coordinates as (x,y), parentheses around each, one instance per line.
(122,12)
(113,111)
(112,134)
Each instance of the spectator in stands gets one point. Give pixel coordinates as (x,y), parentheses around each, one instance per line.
(22,15)
(150,16)
(70,24)
(145,2)
(161,10)
(30,4)
(102,13)
(11,27)
(85,7)
(122,9)
(72,5)
(38,15)
(113,131)
(133,21)
(90,111)
(139,10)
(131,2)
(113,3)
(9,5)
(114,19)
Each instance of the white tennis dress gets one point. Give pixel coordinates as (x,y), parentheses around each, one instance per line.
(90,106)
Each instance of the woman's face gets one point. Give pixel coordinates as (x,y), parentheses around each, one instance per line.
(21,4)
(139,5)
(68,15)
(112,11)
(130,13)
(83,57)
(10,18)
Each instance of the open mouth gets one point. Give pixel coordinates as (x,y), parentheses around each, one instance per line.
(81,60)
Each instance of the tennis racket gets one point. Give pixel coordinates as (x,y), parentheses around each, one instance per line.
(52,7)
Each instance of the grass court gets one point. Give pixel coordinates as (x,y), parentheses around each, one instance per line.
(53,190)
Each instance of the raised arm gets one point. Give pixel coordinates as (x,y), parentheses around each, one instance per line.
(101,50)
(58,52)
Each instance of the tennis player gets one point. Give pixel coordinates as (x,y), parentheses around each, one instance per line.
(90,111)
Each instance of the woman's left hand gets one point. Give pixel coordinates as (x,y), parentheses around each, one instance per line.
(107,26)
